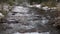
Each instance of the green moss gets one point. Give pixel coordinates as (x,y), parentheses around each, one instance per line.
(4,12)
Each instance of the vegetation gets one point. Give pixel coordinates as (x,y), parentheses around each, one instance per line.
(2,2)
(50,3)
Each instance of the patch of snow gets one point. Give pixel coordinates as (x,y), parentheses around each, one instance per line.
(32,33)
(36,5)
(30,5)
(45,8)
(1,15)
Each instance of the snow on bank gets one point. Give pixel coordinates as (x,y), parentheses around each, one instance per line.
(36,5)
(32,33)
(45,8)
(40,7)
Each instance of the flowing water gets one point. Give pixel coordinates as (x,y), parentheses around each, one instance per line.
(25,19)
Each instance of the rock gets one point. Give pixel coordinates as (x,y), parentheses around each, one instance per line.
(1,15)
